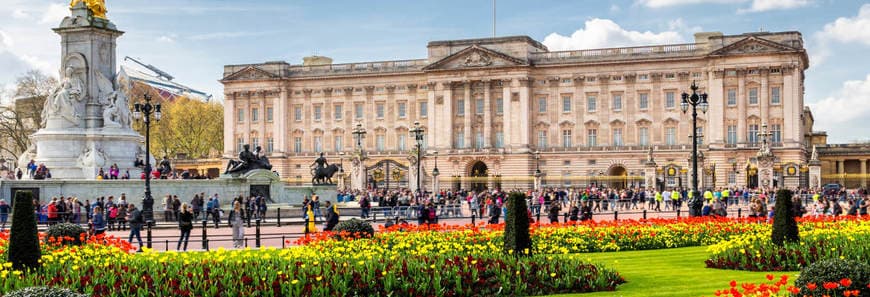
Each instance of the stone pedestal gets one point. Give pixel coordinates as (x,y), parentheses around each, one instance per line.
(649,175)
(815,174)
(80,154)
(539,178)
(358,172)
(765,171)
(412,173)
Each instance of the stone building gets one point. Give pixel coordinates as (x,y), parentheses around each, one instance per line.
(488,105)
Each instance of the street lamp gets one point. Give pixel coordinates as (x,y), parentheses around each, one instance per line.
(695,100)
(435,171)
(537,164)
(143,112)
(418,135)
(359,133)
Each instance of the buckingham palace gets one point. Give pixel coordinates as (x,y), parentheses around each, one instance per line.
(508,112)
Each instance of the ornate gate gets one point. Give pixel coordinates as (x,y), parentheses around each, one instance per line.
(388,174)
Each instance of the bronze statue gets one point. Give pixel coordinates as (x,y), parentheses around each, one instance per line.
(248,161)
(322,171)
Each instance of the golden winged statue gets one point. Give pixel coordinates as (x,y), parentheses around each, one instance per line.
(97,7)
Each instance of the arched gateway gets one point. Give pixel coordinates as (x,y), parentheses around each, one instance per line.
(478,173)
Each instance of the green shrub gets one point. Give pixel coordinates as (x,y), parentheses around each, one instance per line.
(24,250)
(44,292)
(354,227)
(65,230)
(516,228)
(785,227)
(834,270)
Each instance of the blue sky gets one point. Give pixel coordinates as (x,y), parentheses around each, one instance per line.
(193,39)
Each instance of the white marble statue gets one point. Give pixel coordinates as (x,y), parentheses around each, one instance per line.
(66,100)
(92,156)
(26,156)
(114,101)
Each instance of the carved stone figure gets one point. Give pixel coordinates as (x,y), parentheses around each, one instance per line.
(476,59)
(815,154)
(27,155)
(66,99)
(247,161)
(92,156)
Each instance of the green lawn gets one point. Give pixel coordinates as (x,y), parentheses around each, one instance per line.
(670,272)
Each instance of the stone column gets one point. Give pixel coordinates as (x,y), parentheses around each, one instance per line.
(763,98)
(412,171)
(469,113)
(229,124)
(815,174)
(280,121)
(524,114)
(446,125)
(841,171)
(741,107)
(506,115)
(432,112)
(487,115)
(358,171)
(261,113)
(864,173)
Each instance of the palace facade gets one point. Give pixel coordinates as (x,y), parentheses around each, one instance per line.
(496,110)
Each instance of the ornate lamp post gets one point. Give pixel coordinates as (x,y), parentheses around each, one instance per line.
(359,133)
(143,112)
(418,135)
(695,100)
(435,171)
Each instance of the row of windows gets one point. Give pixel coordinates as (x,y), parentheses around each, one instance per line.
(752,96)
(338,143)
(752,133)
(255,114)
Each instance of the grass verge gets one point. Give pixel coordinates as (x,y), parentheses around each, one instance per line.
(670,272)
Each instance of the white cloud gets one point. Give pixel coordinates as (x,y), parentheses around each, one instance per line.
(767,5)
(602,33)
(847,104)
(170,38)
(845,29)
(20,14)
(614,8)
(54,14)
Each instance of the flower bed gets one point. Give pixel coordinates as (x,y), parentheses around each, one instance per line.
(572,238)
(844,238)
(845,287)
(105,267)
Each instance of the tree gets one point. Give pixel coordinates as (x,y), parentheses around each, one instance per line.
(24,117)
(23,237)
(516,229)
(784,225)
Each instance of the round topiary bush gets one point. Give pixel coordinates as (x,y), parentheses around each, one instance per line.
(44,292)
(66,233)
(354,228)
(813,278)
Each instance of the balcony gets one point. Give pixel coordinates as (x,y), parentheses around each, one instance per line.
(622,53)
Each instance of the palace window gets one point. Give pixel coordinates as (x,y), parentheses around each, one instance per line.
(566,138)
(732,178)
(643,101)
(402,109)
(643,136)
(255,114)
(671,136)
(297,144)
(424,109)
(337,112)
(699,135)
(752,133)
(542,139)
(241,113)
(358,111)
(499,106)
(318,112)
(732,97)
(591,103)
(499,139)
(617,137)
(566,80)
(270,144)
(542,104)
(478,106)
(460,107)
(591,137)
(380,142)
(753,96)
(732,134)
(643,76)
(478,140)
(401,143)
(696,75)
(337,143)
(269,116)
(669,100)
(670,75)
(240,143)
(776,133)
(318,144)
(379,110)
(566,103)
(459,141)
(617,102)
(255,142)
(775,97)
(297,113)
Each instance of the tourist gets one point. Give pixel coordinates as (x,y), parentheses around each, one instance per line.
(136,222)
(331,216)
(315,206)
(167,208)
(553,212)
(195,205)
(365,207)
(236,221)
(121,218)
(98,224)
(51,211)
(113,216)
(185,224)
(4,214)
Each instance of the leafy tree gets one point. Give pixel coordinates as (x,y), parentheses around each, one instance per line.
(516,230)
(785,227)
(24,116)
(23,237)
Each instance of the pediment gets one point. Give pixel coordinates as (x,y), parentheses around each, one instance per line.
(250,73)
(753,45)
(475,57)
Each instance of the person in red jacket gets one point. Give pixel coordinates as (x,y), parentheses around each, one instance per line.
(52,211)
